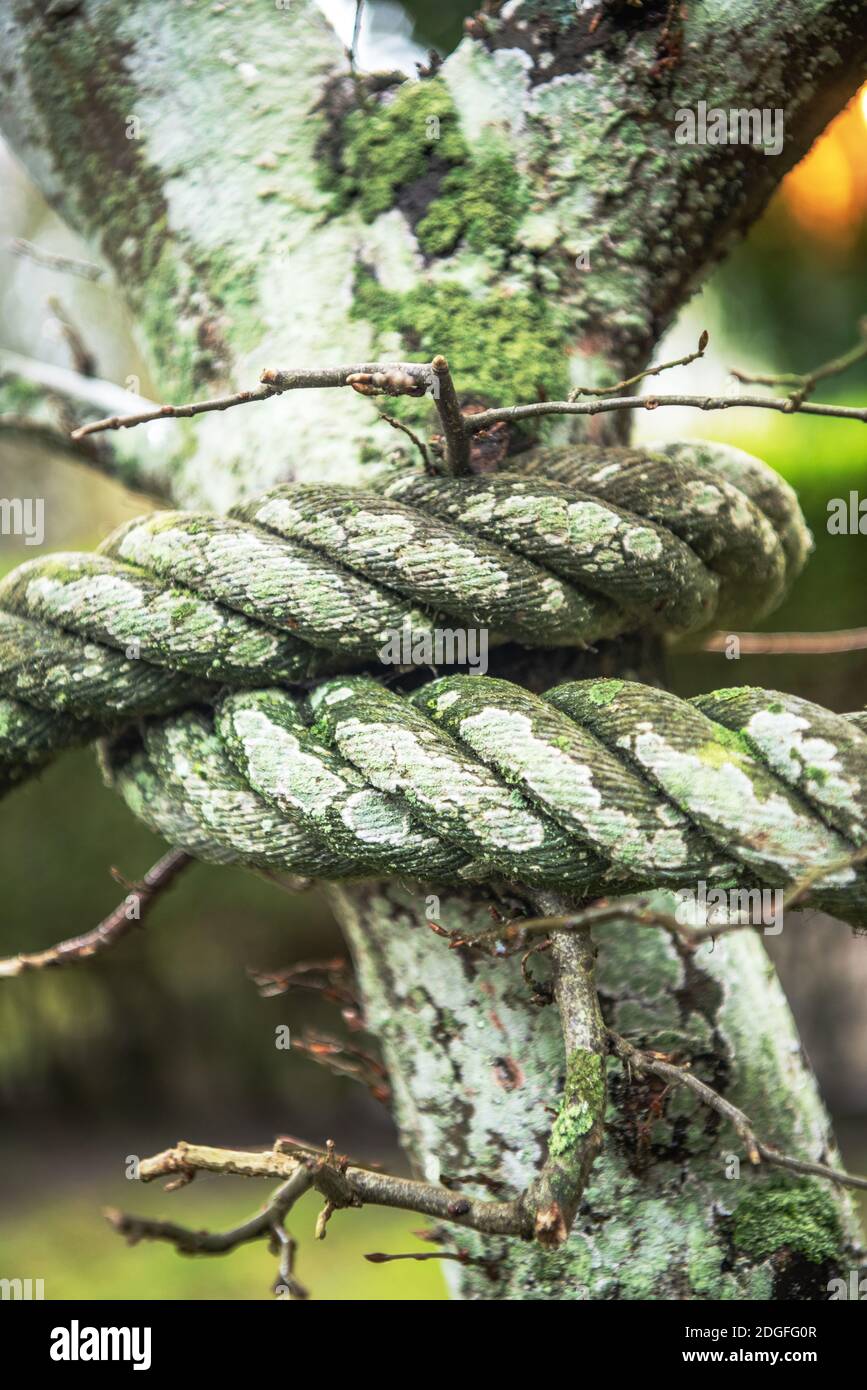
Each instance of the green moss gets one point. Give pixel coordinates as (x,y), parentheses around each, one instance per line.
(233,287)
(78,82)
(582,1102)
(476,195)
(481,202)
(719,749)
(19,397)
(392,146)
(602,692)
(819,775)
(800,1215)
(501,348)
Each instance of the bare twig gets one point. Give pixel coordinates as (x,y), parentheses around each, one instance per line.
(537,409)
(286,1269)
(851,639)
(174,412)
(631,909)
(793,897)
(266,1224)
(544,1211)
(377,1257)
(69,265)
(83,360)
(345,1059)
(640,376)
(357,1186)
(455,433)
(419,444)
(332,979)
(274,383)
(805,383)
(116,925)
(352,51)
(799,891)
(636,910)
(457,425)
(655,1064)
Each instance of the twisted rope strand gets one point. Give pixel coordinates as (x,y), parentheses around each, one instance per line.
(601,786)
(301,582)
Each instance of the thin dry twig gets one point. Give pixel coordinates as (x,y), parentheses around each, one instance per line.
(346,1059)
(544,1211)
(341,1183)
(378,1257)
(83,360)
(805,383)
(111,929)
(454,423)
(266,1225)
(690,357)
(537,409)
(174,412)
(850,639)
(405,429)
(636,909)
(69,265)
(415,378)
(656,1064)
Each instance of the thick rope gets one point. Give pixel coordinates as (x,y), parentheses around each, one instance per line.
(602,786)
(306,580)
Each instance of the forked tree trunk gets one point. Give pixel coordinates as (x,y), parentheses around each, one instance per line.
(212,154)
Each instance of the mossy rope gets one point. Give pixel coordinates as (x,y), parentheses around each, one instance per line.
(599,786)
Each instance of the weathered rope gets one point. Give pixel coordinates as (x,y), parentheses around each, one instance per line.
(601,786)
(307,579)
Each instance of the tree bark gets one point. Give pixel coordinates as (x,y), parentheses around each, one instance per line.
(226,165)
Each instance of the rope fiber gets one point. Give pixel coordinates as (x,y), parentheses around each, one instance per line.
(180,637)
(600,786)
(308,580)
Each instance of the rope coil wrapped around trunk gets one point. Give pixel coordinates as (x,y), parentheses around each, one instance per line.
(308,580)
(599,786)
(192,626)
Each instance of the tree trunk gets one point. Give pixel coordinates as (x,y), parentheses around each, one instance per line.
(260,208)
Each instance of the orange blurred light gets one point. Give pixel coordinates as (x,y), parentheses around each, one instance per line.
(827,192)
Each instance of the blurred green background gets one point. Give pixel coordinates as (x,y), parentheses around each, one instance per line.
(166,1037)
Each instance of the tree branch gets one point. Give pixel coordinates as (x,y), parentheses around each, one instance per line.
(848,639)
(655,1064)
(147,468)
(806,382)
(50,260)
(111,929)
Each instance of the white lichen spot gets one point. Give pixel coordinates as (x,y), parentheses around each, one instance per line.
(375,819)
(783,737)
(642,542)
